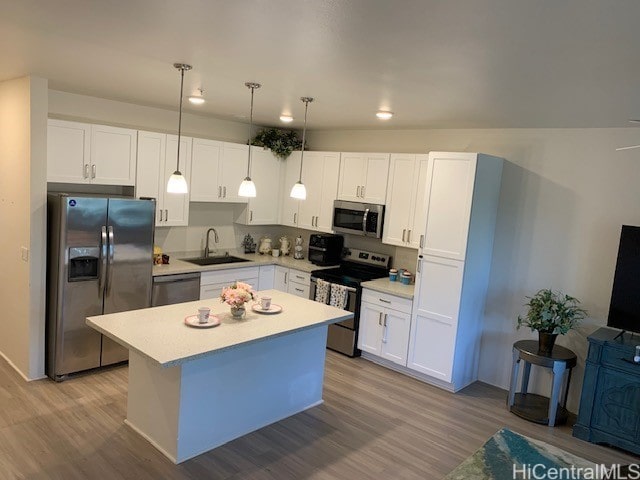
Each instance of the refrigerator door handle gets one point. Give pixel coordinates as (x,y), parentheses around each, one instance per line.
(110,261)
(103,258)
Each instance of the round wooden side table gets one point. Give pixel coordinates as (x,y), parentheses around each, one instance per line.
(537,408)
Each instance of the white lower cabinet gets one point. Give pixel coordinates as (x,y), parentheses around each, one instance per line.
(280,278)
(290,280)
(435,317)
(266,279)
(212,283)
(384,326)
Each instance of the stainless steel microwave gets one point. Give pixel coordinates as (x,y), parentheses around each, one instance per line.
(358,218)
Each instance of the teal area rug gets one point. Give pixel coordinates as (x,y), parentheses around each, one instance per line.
(508,455)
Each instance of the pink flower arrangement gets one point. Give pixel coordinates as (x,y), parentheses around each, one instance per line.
(237,294)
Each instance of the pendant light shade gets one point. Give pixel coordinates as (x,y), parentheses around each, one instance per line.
(299,191)
(177,183)
(247,187)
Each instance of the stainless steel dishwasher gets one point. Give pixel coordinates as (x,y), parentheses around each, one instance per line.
(170,289)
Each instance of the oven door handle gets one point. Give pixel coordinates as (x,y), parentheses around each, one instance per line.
(364,221)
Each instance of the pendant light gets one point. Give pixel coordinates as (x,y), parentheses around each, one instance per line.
(177,183)
(247,187)
(299,191)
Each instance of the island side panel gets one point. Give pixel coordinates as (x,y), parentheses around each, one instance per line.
(240,390)
(153,402)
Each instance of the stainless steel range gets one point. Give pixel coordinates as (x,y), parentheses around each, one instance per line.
(357,266)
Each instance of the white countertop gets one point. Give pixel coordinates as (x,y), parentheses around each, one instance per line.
(177,266)
(161,334)
(392,288)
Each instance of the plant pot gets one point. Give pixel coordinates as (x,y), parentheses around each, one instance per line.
(237,312)
(546,341)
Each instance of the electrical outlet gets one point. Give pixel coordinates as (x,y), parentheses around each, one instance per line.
(25,253)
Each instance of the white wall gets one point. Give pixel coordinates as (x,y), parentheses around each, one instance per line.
(565,194)
(82,108)
(23,117)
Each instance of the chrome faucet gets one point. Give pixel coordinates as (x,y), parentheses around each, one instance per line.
(207,250)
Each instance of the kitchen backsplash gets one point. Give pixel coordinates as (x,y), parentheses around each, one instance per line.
(203,216)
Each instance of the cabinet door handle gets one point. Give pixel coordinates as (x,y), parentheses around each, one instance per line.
(160,212)
(295,215)
(418,267)
(384,301)
(93,171)
(298,290)
(408,236)
(380,319)
(358,191)
(224,192)
(404,231)
(384,333)
(298,276)
(219,191)
(285,277)
(251,215)
(421,240)
(85,173)
(362,191)
(166,215)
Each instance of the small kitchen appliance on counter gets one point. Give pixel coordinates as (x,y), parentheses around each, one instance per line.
(357,266)
(325,249)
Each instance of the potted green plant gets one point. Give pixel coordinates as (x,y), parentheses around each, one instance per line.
(551,314)
(280,142)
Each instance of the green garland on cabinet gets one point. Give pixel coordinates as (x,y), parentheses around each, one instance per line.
(280,142)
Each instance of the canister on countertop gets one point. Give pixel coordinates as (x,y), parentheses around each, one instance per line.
(393,275)
(405,278)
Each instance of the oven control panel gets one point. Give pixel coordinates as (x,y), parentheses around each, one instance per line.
(370,258)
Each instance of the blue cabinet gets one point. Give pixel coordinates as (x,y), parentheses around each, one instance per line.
(610,402)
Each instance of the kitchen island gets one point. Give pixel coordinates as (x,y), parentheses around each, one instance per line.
(192,389)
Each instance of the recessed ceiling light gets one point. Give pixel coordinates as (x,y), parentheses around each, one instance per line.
(197,99)
(286,118)
(382,115)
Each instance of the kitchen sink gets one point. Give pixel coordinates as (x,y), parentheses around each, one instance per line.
(216,260)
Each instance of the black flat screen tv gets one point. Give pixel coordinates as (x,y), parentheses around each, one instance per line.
(624,311)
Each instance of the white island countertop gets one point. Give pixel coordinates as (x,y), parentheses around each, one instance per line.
(160,333)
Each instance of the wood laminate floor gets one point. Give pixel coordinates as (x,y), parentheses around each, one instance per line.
(374,424)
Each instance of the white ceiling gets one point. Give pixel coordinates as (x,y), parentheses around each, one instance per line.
(435,63)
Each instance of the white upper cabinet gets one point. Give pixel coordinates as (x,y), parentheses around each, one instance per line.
(363,177)
(404,217)
(320,177)
(265,173)
(68,151)
(235,157)
(84,153)
(157,159)
(449,193)
(218,170)
(289,206)
(205,165)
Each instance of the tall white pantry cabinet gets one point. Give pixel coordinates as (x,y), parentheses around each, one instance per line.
(454,262)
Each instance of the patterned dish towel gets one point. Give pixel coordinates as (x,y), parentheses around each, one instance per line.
(339,295)
(322,291)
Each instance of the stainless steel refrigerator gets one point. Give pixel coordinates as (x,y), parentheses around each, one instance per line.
(100,256)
